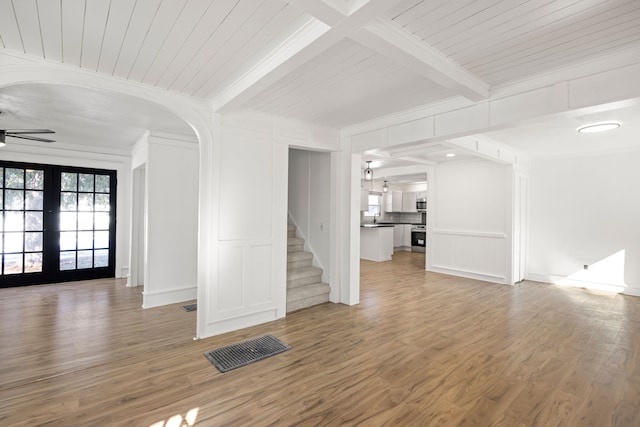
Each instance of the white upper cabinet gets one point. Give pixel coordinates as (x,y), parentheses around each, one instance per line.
(397,201)
(409,201)
(393,201)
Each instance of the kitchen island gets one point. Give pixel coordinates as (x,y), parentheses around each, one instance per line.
(376,242)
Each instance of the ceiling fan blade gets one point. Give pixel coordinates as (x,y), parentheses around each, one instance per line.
(23,131)
(32,138)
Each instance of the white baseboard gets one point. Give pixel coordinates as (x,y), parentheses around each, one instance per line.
(544,278)
(222,326)
(171,296)
(563,281)
(632,291)
(469,275)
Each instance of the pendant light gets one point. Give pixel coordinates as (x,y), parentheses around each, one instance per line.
(385,186)
(368,172)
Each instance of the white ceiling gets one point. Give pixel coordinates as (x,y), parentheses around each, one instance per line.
(501,41)
(330,62)
(558,136)
(85,117)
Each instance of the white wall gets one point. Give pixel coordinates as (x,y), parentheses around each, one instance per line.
(249,235)
(585,210)
(467,228)
(172,221)
(309,202)
(299,197)
(243,257)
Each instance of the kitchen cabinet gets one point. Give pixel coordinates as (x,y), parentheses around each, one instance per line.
(393,201)
(398,236)
(409,201)
(422,195)
(376,243)
(407,237)
(402,237)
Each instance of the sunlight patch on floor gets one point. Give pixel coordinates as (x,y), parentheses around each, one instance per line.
(187,420)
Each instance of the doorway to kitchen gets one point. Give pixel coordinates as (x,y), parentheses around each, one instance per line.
(57,223)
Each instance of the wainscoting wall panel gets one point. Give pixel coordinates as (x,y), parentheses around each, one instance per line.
(476,255)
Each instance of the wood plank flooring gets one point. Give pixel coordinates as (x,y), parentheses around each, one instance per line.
(420,349)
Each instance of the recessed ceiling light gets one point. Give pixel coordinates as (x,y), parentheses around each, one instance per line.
(451,154)
(599,127)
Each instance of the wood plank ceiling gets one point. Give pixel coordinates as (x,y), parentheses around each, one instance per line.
(502,41)
(185,46)
(332,62)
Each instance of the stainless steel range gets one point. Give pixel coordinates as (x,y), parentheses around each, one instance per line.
(418,238)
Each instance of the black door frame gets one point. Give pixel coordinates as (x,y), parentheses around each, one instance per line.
(51,227)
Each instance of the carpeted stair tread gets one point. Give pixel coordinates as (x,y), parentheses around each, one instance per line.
(299,256)
(300,273)
(308,291)
(295,245)
(307,302)
(304,281)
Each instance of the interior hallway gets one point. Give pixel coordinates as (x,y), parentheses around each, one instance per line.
(420,349)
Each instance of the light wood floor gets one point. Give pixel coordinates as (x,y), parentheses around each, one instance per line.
(420,349)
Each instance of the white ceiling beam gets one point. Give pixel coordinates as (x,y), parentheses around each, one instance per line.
(419,160)
(415,169)
(364,12)
(306,43)
(487,148)
(388,39)
(334,20)
(327,27)
(329,12)
(378,154)
(421,148)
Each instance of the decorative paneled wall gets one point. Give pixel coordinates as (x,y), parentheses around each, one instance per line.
(249,281)
(469,221)
(477,255)
(243,275)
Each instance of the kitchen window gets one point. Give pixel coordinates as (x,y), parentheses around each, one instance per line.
(375,201)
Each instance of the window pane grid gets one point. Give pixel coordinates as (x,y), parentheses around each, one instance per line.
(84,224)
(21,220)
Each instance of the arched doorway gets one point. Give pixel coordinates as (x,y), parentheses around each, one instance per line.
(100,129)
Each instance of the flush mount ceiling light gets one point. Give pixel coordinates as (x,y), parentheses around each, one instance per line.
(368,172)
(385,187)
(599,127)
(451,154)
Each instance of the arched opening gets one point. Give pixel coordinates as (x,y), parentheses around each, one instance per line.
(112,130)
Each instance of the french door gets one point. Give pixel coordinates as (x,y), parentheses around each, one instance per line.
(57,223)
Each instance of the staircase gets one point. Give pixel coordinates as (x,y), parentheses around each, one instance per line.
(304,281)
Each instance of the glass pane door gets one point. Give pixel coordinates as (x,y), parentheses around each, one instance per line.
(84,220)
(56,224)
(22,201)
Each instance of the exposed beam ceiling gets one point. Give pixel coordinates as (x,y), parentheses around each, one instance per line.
(329,26)
(342,64)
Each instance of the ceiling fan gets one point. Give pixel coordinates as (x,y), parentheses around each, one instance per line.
(24,134)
